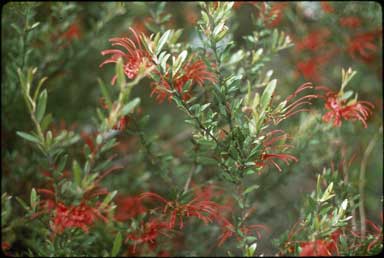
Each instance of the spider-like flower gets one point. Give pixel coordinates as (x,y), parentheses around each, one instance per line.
(134,57)
(269,145)
(200,206)
(148,233)
(194,71)
(128,207)
(363,46)
(340,108)
(230,231)
(81,216)
(287,108)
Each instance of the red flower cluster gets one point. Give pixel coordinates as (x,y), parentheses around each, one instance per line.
(196,71)
(339,108)
(313,41)
(135,56)
(230,231)
(309,68)
(148,233)
(296,106)
(173,213)
(81,216)
(274,15)
(362,46)
(73,32)
(327,7)
(350,22)
(128,207)
(268,143)
(321,247)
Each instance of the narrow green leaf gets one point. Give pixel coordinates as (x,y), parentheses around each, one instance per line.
(116,244)
(41,105)
(267,94)
(105,93)
(22,203)
(76,172)
(47,120)
(28,137)
(130,106)
(120,73)
(162,41)
(108,199)
(33,199)
(250,189)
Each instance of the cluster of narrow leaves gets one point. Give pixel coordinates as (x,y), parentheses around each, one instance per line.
(237,119)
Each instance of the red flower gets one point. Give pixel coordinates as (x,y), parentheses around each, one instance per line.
(315,248)
(313,41)
(196,71)
(135,56)
(274,15)
(148,233)
(5,245)
(266,157)
(200,206)
(350,21)
(327,7)
(73,32)
(81,216)
(295,107)
(339,108)
(229,231)
(128,207)
(362,46)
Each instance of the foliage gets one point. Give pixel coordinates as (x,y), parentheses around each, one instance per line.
(138,129)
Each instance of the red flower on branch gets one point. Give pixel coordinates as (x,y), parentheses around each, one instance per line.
(148,234)
(313,41)
(81,216)
(196,72)
(230,231)
(327,7)
(135,56)
(296,106)
(269,145)
(315,248)
(350,22)
(128,207)
(309,68)
(362,46)
(272,16)
(340,109)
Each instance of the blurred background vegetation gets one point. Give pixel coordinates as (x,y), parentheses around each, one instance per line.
(65,45)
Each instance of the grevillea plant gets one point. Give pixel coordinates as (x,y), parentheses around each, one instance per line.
(200,169)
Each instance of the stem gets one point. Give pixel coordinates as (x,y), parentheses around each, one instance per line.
(153,158)
(363,168)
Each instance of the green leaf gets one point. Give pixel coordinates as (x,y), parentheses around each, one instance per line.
(108,199)
(130,106)
(162,41)
(120,73)
(206,160)
(47,120)
(41,105)
(28,137)
(267,94)
(116,245)
(62,163)
(33,199)
(22,203)
(77,171)
(250,189)
(105,93)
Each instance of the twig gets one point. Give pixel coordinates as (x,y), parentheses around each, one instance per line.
(363,168)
